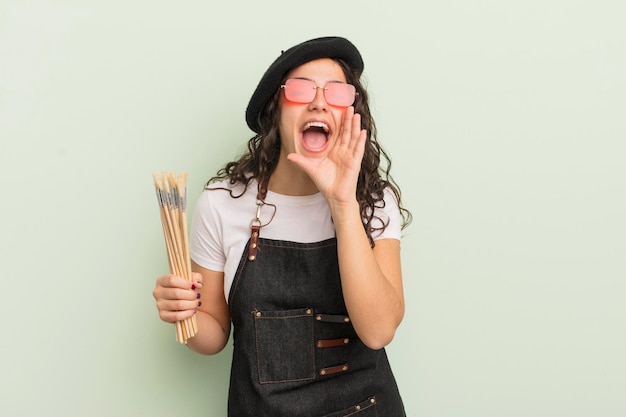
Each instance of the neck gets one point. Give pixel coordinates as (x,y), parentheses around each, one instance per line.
(288,179)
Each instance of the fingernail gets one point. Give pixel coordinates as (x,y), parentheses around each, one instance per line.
(197,295)
(199,303)
(193,286)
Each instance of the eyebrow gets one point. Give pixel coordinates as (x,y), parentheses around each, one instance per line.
(329,81)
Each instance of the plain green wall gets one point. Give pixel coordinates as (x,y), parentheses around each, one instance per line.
(505,122)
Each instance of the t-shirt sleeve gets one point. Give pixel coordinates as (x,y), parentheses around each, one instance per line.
(206,234)
(388,213)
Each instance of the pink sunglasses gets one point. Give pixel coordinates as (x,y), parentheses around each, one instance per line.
(302,91)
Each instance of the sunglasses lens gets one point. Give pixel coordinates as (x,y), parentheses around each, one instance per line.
(303,91)
(340,94)
(299,91)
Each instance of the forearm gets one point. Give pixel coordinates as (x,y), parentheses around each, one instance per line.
(210,338)
(213,316)
(371,284)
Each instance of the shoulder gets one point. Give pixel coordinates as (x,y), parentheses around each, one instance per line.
(388,204)
(223,191)
(223,203)
(235,189)
(390,198)
(387,221)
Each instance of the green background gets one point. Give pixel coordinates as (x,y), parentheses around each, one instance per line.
(505,123)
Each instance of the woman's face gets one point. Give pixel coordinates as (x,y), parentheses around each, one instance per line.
(311,129)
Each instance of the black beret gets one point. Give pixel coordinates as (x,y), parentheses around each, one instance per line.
(326,47)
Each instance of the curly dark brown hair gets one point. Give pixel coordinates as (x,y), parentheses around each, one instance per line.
(263,150)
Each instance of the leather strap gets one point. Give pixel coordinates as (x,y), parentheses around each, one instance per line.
(254,242)
(332,342)
(262,193)
(334,369)
(255,225)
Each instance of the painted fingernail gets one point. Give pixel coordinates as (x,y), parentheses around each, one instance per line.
(197,295)
(193,286)
(199,303)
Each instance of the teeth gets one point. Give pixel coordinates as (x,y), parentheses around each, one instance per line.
(316,124)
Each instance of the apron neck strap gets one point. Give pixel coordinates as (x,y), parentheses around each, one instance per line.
(262,193)
(255,225)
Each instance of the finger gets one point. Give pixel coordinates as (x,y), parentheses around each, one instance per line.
(356,131)
(187,292)
(180,294)
(196,279)
(177,304)
(172,309)
(173,281)
(359,149)
(174,316)
(346,126)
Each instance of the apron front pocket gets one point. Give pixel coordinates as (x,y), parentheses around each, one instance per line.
(285,345)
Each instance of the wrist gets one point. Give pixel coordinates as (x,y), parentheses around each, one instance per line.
(345,212)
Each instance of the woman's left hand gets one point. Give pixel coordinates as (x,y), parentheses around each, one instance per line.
(337,175)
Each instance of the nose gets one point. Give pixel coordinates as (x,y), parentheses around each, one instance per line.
(319,101)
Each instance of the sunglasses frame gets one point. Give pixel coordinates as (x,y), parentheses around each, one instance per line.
(314,87)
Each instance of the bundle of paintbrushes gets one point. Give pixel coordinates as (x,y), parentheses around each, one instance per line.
(171,195)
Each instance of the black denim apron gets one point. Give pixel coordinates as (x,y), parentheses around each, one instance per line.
(295,350)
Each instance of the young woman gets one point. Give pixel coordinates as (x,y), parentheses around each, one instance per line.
(297,244)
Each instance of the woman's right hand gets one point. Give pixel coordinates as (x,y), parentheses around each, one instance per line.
(176,297)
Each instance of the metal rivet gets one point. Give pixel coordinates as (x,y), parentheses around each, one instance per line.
(358,407)
(345,341)
(258,314)
(251,257)
(254,245)
(322,372)
(318,317)
(344,368)
(347,319)
(255,234)
(373,401)
(308,311)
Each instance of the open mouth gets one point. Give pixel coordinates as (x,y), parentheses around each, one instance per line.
(315,136)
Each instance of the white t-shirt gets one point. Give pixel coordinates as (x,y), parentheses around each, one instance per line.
(220,225)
